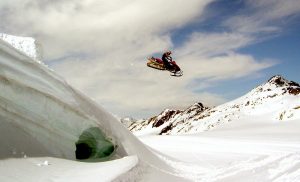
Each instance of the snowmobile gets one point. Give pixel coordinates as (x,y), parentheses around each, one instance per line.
(157,63)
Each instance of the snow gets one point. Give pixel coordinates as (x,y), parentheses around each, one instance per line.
(238,151)
(27,45)
(62,170)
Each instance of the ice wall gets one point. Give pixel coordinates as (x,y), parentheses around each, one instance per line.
(41,115)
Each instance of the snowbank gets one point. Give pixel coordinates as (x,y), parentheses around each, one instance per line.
(62,170)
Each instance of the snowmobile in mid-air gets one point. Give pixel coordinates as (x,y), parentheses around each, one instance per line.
(157,63)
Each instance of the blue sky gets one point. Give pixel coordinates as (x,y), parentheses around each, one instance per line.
(282,46)
(225,47)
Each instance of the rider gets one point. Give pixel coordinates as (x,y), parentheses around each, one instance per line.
(169,64)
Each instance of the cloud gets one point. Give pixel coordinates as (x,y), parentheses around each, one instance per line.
(212,44)
(96,27)
(263,16)
(231,65)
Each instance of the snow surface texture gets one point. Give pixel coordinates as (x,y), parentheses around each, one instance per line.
(27,45)
(278,99)
(62,170)
(42,117)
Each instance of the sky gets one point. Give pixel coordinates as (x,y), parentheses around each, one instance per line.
(224,47)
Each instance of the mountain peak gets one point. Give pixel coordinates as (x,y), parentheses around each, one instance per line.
(198,104)
(277,85)
(280,81)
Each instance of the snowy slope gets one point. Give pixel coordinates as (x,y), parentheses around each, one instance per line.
(241,151)
(278,99)
(42,116)
(62,170)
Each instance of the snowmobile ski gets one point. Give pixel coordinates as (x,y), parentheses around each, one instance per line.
(177,74)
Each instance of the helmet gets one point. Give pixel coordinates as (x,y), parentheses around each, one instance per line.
(168,52)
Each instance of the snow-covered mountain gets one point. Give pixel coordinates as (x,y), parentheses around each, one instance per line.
(277,99)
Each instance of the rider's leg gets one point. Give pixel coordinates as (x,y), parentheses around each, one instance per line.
(175,66)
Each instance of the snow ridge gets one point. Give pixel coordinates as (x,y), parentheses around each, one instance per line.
(27,45)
